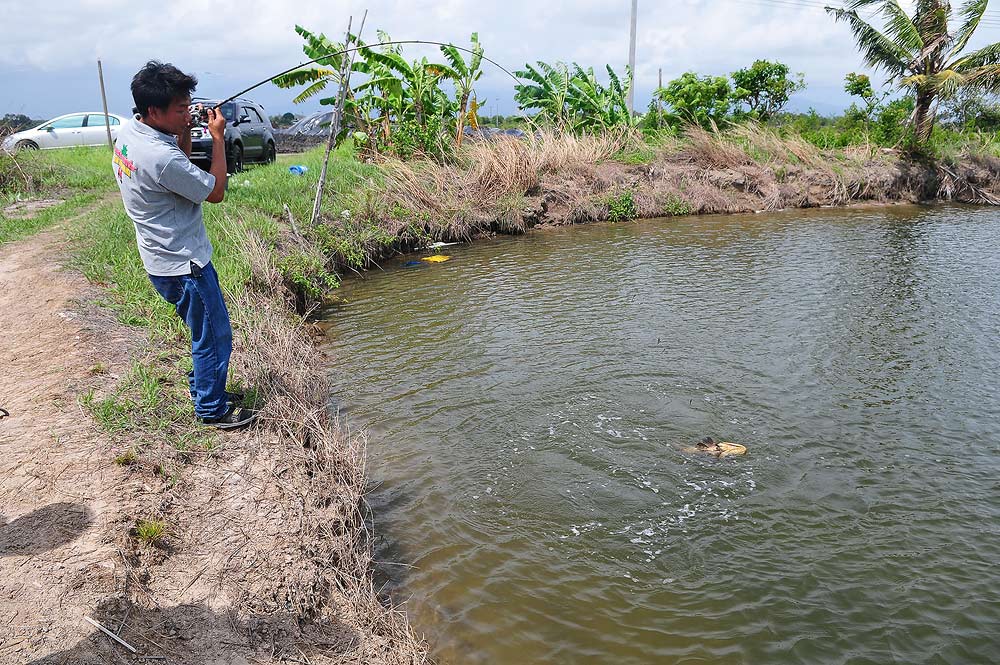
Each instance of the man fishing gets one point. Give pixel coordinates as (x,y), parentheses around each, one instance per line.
(162,192)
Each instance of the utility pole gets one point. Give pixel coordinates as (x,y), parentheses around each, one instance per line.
(104,100)
(659,109)
(631,57)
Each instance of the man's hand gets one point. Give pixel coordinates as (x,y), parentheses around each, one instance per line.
(216,124)
(217,128)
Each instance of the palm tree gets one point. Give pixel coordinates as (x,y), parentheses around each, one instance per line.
(920,52)
(464,74)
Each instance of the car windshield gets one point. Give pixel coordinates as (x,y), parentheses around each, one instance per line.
(228,109)
(313,124)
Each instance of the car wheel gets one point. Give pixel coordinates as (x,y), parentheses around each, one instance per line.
(270,154)
(26,145)
(234,160)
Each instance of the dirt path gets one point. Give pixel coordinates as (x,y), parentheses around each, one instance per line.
(56,483)
(227,589)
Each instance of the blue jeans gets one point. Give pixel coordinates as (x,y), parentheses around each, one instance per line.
(198,300)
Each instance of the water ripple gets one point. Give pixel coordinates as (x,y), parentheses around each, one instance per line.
(529,402)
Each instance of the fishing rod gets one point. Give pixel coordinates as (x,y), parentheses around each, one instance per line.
(359,48)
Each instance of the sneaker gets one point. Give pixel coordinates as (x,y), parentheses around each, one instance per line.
(233,418)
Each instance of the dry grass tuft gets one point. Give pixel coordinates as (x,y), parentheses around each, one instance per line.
(711,149)
(767,146)
(483,191)
(317,554)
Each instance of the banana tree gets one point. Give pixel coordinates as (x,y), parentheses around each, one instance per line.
(923,53)
(595,106)
(546,90)
(383,90)
(464,75)
(419,80)
(318,75)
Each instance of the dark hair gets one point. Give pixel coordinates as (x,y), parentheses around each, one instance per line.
(158,84)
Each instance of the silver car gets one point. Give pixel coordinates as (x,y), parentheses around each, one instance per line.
(66,131)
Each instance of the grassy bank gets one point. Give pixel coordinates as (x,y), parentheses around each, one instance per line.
(510,186)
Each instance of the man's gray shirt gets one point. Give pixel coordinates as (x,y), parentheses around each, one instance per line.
(162,192)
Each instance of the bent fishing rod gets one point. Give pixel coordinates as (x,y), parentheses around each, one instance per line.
(359,48)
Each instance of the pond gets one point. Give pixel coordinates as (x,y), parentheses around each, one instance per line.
(528,404)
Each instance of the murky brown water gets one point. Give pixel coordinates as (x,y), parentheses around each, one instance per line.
(528,400)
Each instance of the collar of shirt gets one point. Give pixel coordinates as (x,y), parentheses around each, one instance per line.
(152,132)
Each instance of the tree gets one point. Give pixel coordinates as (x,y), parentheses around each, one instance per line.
(921,53)
(573,98)
(464,74)
(546,90)
(283,120)
(765,88)
(316,76)
(15,122)
(705,100)
(595,106)
(970,109)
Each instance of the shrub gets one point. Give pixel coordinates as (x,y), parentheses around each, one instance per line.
(621,207)
(307,275)
(675,205)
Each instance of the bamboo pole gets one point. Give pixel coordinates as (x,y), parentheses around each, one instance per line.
(659,104)
(338,115)
(104,100)
(631,56)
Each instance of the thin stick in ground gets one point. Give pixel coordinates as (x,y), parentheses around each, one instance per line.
(338,114)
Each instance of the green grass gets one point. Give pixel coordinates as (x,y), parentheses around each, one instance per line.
(15,227)
(150,532)
(78,175)
(152,400)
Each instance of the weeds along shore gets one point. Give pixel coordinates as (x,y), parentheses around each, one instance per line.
(509,186)
(271,523)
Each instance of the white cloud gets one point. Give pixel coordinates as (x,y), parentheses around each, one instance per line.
(247,40)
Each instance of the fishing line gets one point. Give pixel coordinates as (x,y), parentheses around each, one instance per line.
(366,46)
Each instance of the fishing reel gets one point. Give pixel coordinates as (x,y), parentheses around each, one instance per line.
(199,114)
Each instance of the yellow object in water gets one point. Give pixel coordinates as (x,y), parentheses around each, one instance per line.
(717,448)
(437,258)
(728,449)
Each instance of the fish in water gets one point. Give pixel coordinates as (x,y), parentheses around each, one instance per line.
(717,448)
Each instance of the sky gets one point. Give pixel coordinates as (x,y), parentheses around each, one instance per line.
(48,63)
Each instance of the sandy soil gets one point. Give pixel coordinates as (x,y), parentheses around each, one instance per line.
(56,486)
(242,576)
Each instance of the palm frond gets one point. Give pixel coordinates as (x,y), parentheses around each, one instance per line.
(986,78)
(303,75)
(988,55)
(931,20)
(311,91)
(878,51)
(455,59)
(318,46)
(900,27)
(971,13)
(477,52)
(392,60)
